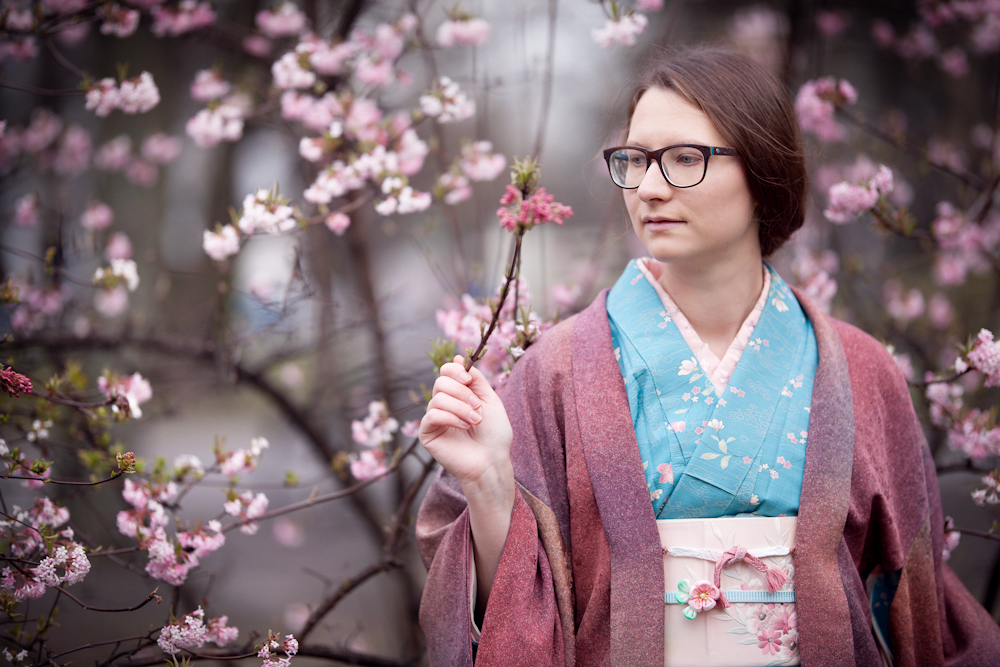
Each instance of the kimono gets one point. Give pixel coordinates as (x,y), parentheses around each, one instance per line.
(580,579)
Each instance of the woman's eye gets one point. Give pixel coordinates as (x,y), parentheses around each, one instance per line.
(689,160)
(637,161)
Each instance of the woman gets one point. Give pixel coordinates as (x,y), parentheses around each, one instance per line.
(543,521)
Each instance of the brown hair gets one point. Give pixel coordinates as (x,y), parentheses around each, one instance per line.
(751,109)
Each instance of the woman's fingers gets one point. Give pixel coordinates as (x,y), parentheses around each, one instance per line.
(436,419)
(456,406)
(450,386)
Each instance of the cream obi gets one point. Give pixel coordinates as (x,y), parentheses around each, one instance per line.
(730,599)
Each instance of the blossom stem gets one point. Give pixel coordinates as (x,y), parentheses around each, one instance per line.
(508,279)
(930,382)
(63,60)
(73,404)
(978,533)
(906,147)
(96,644)
(152,596)
(345,588)
(69,92)
(114,475)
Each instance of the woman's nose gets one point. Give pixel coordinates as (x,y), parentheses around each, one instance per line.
(654,185)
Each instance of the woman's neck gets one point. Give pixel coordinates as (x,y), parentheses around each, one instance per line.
(717,300)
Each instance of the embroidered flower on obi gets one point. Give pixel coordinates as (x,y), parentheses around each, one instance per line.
(699,596)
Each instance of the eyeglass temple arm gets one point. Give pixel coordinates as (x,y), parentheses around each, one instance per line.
(722,151)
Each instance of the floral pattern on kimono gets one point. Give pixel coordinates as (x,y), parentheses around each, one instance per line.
(712,449)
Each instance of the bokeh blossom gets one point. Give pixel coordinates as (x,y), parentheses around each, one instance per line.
(815,105)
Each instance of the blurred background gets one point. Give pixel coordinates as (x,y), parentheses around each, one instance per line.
(292,337)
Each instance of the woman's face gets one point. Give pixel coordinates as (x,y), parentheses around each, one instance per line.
(711,222)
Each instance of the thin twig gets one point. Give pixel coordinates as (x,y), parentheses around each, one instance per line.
(48,92)
(71,403)
(977,533)
(345,588)
(508,279)
(151,596)
(316,500)
(96,644)
(114,475)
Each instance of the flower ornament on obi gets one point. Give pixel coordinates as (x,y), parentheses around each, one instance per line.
(775,577)
(699,596)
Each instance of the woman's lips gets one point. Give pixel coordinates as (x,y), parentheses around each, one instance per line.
(661,224)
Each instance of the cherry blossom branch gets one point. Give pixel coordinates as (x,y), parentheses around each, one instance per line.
(27,255)
(317,500)
(908,148)
(978,533)
(96,644)
(495,319)
(115,475)
(62,60)
(48,92)
(71,403)
(345,588)
(152,596)
(342,656)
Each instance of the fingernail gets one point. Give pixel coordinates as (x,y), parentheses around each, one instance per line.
(464,377)
(474,401)
(475,417)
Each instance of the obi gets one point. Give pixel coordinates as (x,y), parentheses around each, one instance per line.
(730,598)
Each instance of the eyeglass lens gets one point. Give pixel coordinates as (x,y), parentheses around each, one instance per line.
(683,166)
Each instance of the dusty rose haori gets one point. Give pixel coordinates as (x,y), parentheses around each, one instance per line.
(580,580)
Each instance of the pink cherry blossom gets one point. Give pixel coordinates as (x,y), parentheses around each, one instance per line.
(666,471)
(138,95)
(815,105)
(902,307)
(221,244)
(266,212)
(257,45)
(566,298)
(97,216)
(118,247)
(161,148)
(452,188)
(242,461)
(447,103)
(883,33)
(188,16)
(285,21)
(288,72)
(848,200)
(648,5)
(134,388)
(111,302)
(26,211)
(939,311)
(832,24)
(464,32)
(208,84)
(539,208)
(203,540)
(479,163)
(70,559)
(220,633)
(953,62)
(331,59)
(368,464)
(210,126)
(247,506)
(951,538)
(102,97)
(985,357)
(142,173)
(338,222)
(118,21)
(115,154)
(74,152)
(624,31)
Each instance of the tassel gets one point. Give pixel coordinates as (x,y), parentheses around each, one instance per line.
(775,579)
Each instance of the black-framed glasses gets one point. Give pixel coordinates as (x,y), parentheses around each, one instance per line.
(683,165)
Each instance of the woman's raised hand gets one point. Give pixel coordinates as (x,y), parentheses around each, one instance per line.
(466,428)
